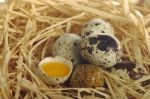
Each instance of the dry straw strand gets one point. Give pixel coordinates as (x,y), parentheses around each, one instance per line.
(28,29)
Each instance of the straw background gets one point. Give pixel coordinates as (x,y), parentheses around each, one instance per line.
(28,29)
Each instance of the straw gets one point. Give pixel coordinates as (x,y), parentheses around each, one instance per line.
(29,28)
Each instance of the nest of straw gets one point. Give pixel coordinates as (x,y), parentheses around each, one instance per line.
(28,29)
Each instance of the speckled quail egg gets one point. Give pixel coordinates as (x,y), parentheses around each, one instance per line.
(101,49)
(68,47)
(95,26)
(128,70)
(54,71)
(87,75)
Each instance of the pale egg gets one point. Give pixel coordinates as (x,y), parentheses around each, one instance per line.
(67,46)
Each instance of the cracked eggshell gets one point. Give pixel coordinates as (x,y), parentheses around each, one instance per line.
(128,70)
(87,75)
(101,50)
(95,26)
(51,79)
(68,47)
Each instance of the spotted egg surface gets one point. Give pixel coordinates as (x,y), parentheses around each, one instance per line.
(95,26)
(128,70)
(101,49)
(68,47)
(87,75)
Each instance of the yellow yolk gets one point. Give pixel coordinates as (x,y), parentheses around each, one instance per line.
(55,69)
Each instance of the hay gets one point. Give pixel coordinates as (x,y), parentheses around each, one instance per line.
(28,29)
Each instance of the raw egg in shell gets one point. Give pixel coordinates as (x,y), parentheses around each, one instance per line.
(55,71)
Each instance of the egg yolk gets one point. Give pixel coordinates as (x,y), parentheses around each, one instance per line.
(55,69)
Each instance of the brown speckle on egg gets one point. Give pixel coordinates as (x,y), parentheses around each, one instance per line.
(146,83)
(87,75)
(128,70)
(105,43)
(67,46)
(95,26)
(101,50)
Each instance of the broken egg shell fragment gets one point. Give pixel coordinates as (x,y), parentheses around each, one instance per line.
(54,80)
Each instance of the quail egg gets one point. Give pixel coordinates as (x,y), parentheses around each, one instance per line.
(54,71)
(95,26)
(128,70)
(87,75)
(101,50)
(68,47)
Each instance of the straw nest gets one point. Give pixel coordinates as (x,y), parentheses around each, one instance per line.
(28,29)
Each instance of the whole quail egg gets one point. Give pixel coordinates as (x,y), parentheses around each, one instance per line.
(95,26)
(101,50)
(87,75)
(128,70)
(68,47)
(55,70)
